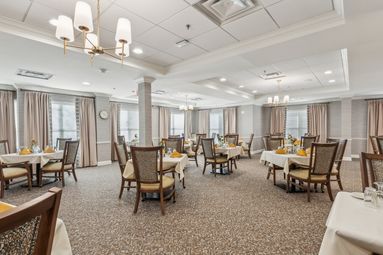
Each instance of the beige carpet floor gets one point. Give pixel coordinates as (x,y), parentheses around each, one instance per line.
(241,213)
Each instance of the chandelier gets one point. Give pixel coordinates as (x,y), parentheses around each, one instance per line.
(186,106)
(275,100)
(83,22)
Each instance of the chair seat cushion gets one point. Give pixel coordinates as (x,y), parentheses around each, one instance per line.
(334,171)
(130,177)
(191,153)
(245,146)
(167,182)
(56,167)
(14,172)
(219,160)
(304,175)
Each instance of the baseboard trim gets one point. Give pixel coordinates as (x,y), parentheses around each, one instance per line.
(355,156)
(104,163)
(347,158)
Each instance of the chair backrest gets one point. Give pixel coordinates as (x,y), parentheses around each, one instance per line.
(276,135)
(120,139)
(371,167)
(173,144)
(70,152)
(146,163)
(208,147)
(324,158)
(332,140)
(200,136)
(379,142)
(251,140)
(232,139)
(306,141)
(266,143)
(60,143)
(4,147)
(275,142)
(30,227)
(340,152)
(122,155)
(213,135)
(174,136)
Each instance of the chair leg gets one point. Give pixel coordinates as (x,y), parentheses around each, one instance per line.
(308,192)
(249,154)
(339,182)
(288,184)
(122,188)
(29,180)
(62,178)
(235,163)
(129,184)
(162,202)
(137,201)
(328,184)
(183,182)
(214,170)
(268,173)
(74,174)
(41,177)
(204,168)
(195,157)
(274,177)
(2,189)
(315,187)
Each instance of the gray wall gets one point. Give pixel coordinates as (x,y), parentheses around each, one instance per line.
(334,119)
(104,144)
(359,126)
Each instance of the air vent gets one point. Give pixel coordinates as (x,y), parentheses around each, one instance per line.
(272,75)
(34,74)
(225,11)
(159,92)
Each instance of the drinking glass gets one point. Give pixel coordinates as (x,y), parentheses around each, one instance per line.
(379,192)
(368,193)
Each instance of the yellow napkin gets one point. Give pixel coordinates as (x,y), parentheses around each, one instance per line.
(280,151)
(5,207)
(49,149)
(25,151)
(308,151)
(232,145)
(175,154)
(301,152)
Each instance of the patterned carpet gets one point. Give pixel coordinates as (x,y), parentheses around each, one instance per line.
(241,213)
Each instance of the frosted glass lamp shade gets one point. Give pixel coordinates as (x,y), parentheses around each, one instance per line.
(90,43)
(123,31)
(119,50)
(64,29)
(191,107)
(276,99)
(83,20)
(286,99)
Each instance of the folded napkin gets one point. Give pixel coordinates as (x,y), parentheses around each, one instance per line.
(175,154)
(280,151)
(232,145)
(49,149)
(25,151)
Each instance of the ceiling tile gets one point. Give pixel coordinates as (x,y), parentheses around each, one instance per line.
(110,17)
(198,22)
(146,50)
(252,25)
(14,9)
(39,16)
(153,10)
(162,59)
(288,12)
(269,2)
(185,52)
(214,39)
(159,38)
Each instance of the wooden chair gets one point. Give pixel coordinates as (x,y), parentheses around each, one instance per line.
(173,144)
(149,175)
(122,156)
(210,157)
(371,167)
(193,152)
(4,147)
(30,227)
(66,164)
(306,141)
(60,143)
(247,146)
(213,135)
(121,139)
(374,144)
(379,142)
(232,139)
(319,169)
(273,144)
(174,136)
(338,160)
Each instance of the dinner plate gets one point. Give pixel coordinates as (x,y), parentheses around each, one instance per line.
(358,195)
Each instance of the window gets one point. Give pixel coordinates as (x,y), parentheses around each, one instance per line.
(63,118)
(128,122)
(216,122)
(296,121)
(176,123)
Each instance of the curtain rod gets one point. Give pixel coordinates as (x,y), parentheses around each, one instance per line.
(55,93)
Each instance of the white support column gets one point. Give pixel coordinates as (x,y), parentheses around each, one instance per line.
(346,125)
(145,110)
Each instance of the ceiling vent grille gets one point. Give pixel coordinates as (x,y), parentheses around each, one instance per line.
(34,74)
(272,75)
(225,11)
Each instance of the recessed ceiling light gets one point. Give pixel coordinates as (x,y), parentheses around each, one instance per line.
(231,92)
(211,86)
(254,91)
(53,22)
(241,86)
(331,81)
(223,79)
(328,72)
(86,83)
(138,51)
(244,96)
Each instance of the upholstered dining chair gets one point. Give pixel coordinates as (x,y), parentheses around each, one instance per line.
(247,145)
(30,227)
(273,144)
(173,144)
(213,135)
(318,171)
(371,167)
(379,142)
(147,162)
(4,147)
(193,152)
(338,160)
(232,139)
(121,139)
(60,143)
(122,156)
(174,136)
(211,158)
(66,164)
(306,141)
(374,144)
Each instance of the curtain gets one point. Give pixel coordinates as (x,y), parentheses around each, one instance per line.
(317,120)
(203,122)
(88,147)
(7,116)
(114,111)
(278,120)
(188,124)
(230,120)
(164,122)
(36,118)
(374,121)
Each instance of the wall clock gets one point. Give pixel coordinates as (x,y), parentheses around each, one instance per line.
(103,114)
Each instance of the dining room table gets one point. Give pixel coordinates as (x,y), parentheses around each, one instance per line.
(61,244)
(229,151)
(353,227)
(284,160)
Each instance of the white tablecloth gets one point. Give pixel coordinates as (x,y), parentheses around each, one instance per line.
(352,228)
(61,244)
(167,162)
(284,160)
(34,158)
(230,152)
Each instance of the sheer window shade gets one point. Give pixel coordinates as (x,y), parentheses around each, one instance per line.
(296,120)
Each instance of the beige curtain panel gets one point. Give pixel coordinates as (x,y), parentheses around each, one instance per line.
(203,121)
(188,124)
(230,120)
(36,118)
(374,121)
(317,120)
(88,146)
(7,116)
(278,120)
(114,111)
(164,122)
